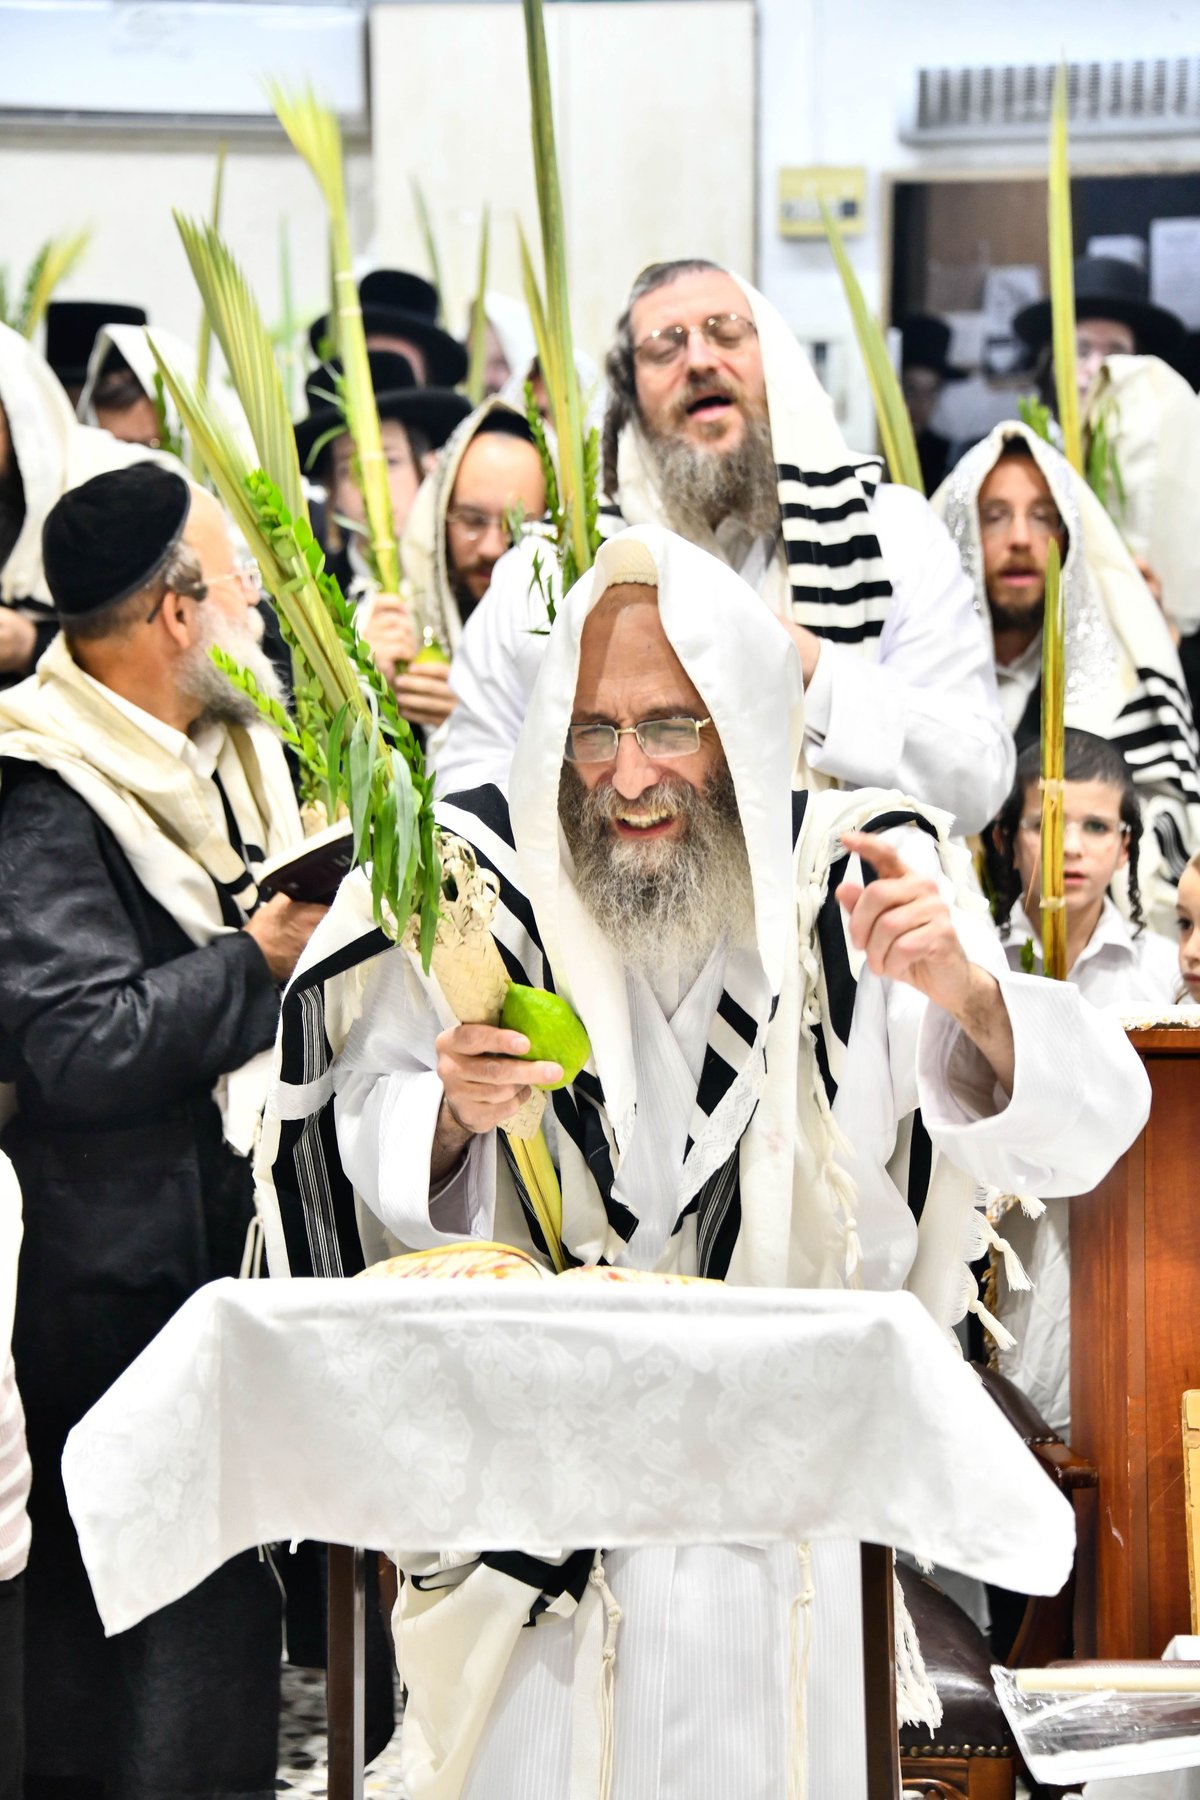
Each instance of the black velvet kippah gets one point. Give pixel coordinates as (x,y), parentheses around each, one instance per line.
(103,541)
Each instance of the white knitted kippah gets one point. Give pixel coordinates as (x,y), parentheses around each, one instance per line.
(625,560)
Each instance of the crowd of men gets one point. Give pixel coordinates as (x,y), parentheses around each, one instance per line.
(787,683)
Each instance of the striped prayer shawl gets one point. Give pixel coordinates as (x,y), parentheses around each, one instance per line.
(839,584)
(315,1203)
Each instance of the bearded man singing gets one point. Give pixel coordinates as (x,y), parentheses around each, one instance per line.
(704,920)
(139,987)
(718,428)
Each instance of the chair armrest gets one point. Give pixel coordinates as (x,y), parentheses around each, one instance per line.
(1066,1469)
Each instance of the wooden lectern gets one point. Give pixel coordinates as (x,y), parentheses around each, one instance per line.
(1135,1348)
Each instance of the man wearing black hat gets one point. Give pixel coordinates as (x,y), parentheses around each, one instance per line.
(139,991)
(1114,316)
(414,422)
(400,315)
(72,327)
(925,369)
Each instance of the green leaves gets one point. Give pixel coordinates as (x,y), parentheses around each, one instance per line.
(552,322)
(315,133)
(477,336)
(895,426)
(431,249)
(1062,277)
(52,264)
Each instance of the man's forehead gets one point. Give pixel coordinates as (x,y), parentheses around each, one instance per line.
(626,659)
(1015,475)
(689,299)
(497,454)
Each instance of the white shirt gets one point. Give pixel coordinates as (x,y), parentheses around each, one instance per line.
(1119,971)
(924,718)
(1017,680)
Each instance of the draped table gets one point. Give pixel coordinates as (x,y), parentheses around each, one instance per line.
(468,1415)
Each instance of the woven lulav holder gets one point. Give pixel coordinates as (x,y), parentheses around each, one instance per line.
(465,959)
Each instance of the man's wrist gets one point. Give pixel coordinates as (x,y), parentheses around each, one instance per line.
(450,1140)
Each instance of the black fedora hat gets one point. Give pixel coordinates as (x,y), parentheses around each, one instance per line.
(435,411)
(925,344)
(1108,287)
(71,330)
(405,306)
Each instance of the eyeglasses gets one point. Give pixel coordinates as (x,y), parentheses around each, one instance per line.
(1043,521)
(722,331)
(1094,831)
(475,524)
(660,739)
(246,574)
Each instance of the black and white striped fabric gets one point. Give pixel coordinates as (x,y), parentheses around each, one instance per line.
(314,1201)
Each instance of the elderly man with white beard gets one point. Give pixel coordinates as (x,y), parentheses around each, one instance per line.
(718,428)
(139,989)
(705,920)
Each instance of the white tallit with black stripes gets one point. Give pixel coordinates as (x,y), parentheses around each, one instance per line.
(761,1198)
(836,583)
(1123,677)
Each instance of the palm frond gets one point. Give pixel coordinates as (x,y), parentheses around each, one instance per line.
(431,248)
(54,262)
(557,360)
(477,336)
(895,426)
(1062,277)
(205,346)
(316,134)
(1054,916)
(249,355)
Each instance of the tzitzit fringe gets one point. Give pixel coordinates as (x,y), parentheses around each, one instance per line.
(809,900)
(608,1660)
(800,1629)
(917,1700)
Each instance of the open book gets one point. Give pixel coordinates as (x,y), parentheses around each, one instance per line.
(314,871)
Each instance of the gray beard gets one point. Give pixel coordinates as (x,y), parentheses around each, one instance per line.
(664,903)
(201,680)
(701,488)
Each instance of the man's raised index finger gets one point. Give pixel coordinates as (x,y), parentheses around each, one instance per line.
(875,850)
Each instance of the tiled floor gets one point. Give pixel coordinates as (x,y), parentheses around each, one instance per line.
(302,1743)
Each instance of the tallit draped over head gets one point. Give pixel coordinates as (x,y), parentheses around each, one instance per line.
(1123,677)
(423,550)
(54,452)
(755,698)
(837,584)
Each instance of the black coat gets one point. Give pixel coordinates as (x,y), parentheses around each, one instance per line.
(114,1027)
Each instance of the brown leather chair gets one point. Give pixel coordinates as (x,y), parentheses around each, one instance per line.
(972,1756)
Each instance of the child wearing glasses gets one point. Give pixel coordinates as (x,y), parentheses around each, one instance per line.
(1114,962)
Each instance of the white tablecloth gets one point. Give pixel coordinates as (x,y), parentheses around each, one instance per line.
(475,1415)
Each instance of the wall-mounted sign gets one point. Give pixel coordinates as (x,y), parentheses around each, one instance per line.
(801,191)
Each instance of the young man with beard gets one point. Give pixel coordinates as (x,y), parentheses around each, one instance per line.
(658,870)
(1009,498)
(139,989)
(718,428)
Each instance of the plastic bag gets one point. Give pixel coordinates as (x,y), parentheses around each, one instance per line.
(1089,1735)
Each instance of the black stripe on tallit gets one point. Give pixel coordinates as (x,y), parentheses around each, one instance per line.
(1170,841)
(292,1066)
(487,804)
(719,1218)
(584,1126)
(549,1580)
(837,556)
(821,515)
(819,478)
(920,1165)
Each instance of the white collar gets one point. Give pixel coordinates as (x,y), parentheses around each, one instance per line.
(200,753)
(1111,933)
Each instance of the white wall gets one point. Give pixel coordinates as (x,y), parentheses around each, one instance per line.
(124,184)
(837,75)
(655,120)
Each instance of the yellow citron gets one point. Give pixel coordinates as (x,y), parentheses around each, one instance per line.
(429,653)
(554,1033)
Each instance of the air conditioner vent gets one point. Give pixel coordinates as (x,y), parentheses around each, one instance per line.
(1159,96)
